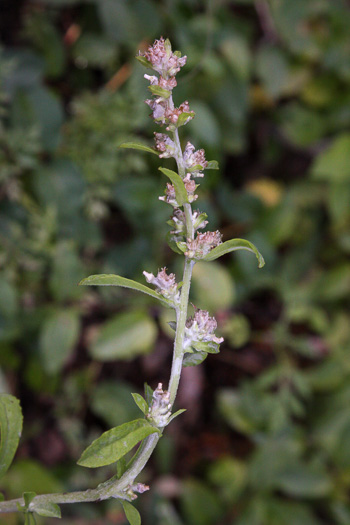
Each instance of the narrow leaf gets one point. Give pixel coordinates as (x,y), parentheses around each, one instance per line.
(210,347)
(175,414)
(141,403)
(48,509)
(148,394)
(11,420)
(144,61)
(232,245)
(115,443)
(194,359)
(132,514)
(28,498)
(182,246)
(212,165)
(184,118)
(178,183)
(135,145)
(159,91)
(172,243)
(121,467)
(117,280)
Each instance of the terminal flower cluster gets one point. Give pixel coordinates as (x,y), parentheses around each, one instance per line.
(167,63)
(200,328)
(162,59)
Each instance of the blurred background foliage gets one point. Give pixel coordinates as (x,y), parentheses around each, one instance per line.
(265,440)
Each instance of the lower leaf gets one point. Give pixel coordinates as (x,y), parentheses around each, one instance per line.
(115,443)
(132,514)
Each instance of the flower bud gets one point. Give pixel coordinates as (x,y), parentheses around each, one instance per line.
(160,409)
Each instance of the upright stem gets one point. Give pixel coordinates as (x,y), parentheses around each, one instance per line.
(116,487)
(181,312)
(181,316)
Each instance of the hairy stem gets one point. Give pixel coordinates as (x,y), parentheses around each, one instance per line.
(116,488)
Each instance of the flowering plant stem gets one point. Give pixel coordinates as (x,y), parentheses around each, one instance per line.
(194,336)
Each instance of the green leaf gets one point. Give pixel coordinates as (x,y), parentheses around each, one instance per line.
(184,118)
(125,336)
(111,401)
(172,325)
(209,347)
(200,505)
(175,414)
(194,359)
(148,394)
(144,61)
(135,145)
(141,403)
(28,498)
(115,443)
(48,509)
(29,519)
(304,481)
(26,473)
(11,420)
(212,165)
(213,286)
(121,466)
(333,164)
(172,243)
(58,337)
(117,280)
(132,514)
(232,245)
(178,183)
(159,91)
(182,246)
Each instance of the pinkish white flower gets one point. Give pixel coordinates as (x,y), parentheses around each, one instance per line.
(194,160)
(190,186)
(170,195)
(160,409)
(200,328)
(162,59)
(165,284)
(165,145)
(202,244)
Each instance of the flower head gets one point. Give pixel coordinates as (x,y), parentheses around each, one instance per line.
(165,284)
(160,409)
(194,160)
(162,59)
(200,328)
(202,244)
(164,145)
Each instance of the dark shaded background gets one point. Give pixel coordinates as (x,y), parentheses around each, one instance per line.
(265,439)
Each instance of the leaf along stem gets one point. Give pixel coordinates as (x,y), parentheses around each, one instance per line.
(115,488)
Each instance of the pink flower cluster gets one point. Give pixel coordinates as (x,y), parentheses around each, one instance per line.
(202,244)
(162,59)
(201,328)
(165,284)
